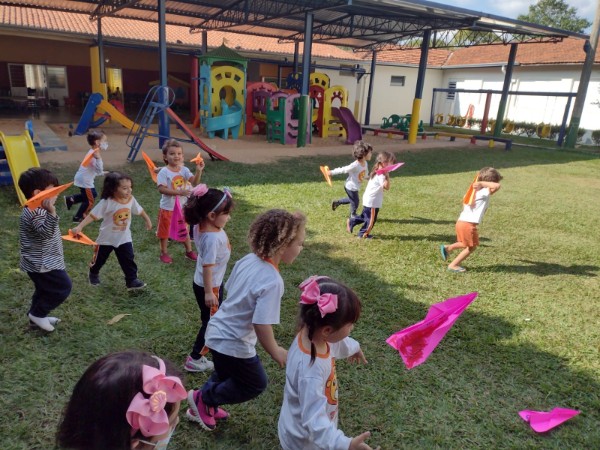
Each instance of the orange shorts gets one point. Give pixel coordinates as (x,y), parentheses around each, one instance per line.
(164,223)
(466,233)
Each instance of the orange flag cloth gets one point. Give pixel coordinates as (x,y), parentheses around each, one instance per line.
(36,200)
(469,198)
(151,166)
(325,172)
(80,238)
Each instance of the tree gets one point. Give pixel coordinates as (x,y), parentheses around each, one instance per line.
(557,14)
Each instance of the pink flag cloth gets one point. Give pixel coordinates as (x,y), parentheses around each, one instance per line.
(416,342)
(389,168)
(542,421)
(178,230)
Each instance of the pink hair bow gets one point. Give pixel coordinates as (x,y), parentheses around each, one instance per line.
(148,414)
(200,190)
(311,293)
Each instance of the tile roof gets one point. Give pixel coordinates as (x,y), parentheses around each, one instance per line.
(435,56)
(13,17)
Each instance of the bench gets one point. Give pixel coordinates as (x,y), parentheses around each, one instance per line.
(492,140)
(453,136)
(392,131)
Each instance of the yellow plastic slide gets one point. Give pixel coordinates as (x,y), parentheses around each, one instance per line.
(21,155)
(115,115)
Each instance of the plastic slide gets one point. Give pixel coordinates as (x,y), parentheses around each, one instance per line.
(350,124)
(97,102)
(116,115)
(21,155)
(230,119)
(193,136)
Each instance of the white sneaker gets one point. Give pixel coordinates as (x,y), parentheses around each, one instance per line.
(42,322)
(198,365)
(53,320)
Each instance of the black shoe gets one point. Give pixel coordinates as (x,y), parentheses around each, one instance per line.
(77,219)
(334,205)
(69,202)
(94,279)
(135,284)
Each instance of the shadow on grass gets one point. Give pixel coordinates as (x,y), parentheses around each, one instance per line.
(418,221)
(542,269)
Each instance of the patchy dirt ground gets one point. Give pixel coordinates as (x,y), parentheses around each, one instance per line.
(247,149)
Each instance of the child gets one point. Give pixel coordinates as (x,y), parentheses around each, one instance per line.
(309,413)
(356,172)
(123,401)
(373,196)
(467,237)
(209,210)
(172,180)
(84,178)
(41,250)
(254,291)
(115,209)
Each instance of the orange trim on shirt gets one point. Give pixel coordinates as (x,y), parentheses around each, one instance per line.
(304,350)
(270,261)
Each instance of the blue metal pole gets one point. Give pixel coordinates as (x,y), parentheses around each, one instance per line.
(563,125)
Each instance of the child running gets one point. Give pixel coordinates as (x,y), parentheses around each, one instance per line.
(41,250)
(115,208)
(126,400)
(208,210)
(373,196)
(84,178)
(254,291)
(309,413)
(356,172)
(174,180)
(467,236)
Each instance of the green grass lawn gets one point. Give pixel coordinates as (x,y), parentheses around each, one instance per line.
(529,341)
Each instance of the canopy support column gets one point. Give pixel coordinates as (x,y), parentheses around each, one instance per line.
(370,93)
(512,56)
(307,53)
(416,109)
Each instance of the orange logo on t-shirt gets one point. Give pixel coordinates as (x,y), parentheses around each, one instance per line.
(120,218)
(178,182)
(331,387)
(361,176)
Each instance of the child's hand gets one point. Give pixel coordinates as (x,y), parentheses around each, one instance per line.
(358,443)
(280,356)
(477,186)
(185,192)
(148,224)
(76,231)
(156,170)
(210,299)
(200,165)
(329,172)
(358,357)
(48,205)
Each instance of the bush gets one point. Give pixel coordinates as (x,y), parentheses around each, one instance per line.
(596,137)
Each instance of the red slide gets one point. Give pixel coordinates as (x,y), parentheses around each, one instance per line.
(193,137)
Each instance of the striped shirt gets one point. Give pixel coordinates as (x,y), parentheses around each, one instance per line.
(41,244)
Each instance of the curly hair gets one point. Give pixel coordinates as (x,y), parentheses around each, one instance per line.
(489,174)
(361,149)
(274,230)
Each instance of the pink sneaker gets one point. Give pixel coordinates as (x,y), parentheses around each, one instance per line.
(220,414)
(165,258)
(191,255)
(198,412)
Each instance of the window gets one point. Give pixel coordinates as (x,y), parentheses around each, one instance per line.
(451,95)
(397,80)
(57,77)
(16,73)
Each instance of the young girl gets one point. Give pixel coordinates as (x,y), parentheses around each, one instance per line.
(467,236)
(373,196)
(174,180)
(356,172)
(209,211)
(309,413)
(254,291)
(41,250)
(84,178)
(115,209)
(125,400)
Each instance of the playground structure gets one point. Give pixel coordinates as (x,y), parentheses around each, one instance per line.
(17,154)
(283,112)
(222,89)
(257,93)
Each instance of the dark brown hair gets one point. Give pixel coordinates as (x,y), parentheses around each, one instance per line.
(274,230)
(36,178)
(197,208)
(111,184)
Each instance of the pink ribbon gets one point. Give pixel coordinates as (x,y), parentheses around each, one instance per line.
(311,293)
(148,414)
(200,190)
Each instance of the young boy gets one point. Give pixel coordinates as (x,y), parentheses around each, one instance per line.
(467,237)
(41,249)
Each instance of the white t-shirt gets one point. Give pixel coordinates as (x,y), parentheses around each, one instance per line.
(116,220)
(373,196)
(309,413)
(84,178)
(254,291)
(356,173)
(214,251)
(474,214)
(173,180)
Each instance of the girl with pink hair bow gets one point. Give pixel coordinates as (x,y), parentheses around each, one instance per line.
(309,413)
(124,400)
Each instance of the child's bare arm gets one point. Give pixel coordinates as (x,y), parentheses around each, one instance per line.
(491,185)
(147,220)
(88,219)
(198,174)
(265,336)
(167,191)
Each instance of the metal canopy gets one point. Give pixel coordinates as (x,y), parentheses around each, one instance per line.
(360,24)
